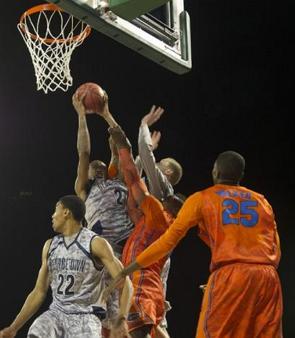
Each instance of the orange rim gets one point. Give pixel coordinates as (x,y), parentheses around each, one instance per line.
(51,8)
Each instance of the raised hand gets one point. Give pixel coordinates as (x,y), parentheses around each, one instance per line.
(78,104)
(105,112)
(153,116)
(155,136)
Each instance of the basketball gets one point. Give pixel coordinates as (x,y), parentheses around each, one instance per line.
(94,97)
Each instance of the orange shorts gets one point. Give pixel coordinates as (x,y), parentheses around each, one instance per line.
(242,301)
(148,301)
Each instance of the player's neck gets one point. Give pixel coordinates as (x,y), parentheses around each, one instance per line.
(227,182)
(71,229)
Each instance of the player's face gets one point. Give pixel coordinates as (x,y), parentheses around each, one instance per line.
(163,165)
(97,169)
(59,217)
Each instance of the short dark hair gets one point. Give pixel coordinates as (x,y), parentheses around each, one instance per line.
(75,205)
(231,165)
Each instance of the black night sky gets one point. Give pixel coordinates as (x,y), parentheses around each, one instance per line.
(236,97)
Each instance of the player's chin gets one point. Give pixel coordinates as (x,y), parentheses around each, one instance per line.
(54,227)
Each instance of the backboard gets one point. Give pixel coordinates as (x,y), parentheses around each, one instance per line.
(157,29)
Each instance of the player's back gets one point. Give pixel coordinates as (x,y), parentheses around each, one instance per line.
(106,210)
(239,226)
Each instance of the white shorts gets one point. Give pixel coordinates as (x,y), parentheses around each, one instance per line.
(57,324)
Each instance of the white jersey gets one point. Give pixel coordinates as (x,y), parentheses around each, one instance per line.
(75,277)
(106,210)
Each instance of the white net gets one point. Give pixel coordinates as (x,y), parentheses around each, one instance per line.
(51,36)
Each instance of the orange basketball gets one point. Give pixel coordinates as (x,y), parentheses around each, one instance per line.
(94,97)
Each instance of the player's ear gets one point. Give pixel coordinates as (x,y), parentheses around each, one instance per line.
(67,212)
(168,171)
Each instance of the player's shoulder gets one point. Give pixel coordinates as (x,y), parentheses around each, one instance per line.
(54,240)
(115,181)
(197,195)
(98,245)
(46,247)
(253,193)
(89,234)
(151,202)
(48,242)
(86,235)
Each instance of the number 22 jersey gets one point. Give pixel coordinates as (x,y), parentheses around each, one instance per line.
(75,276)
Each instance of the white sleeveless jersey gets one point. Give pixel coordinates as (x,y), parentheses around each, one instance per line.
(75,277)
(106,210)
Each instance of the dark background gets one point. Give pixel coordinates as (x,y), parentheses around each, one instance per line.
(237,96)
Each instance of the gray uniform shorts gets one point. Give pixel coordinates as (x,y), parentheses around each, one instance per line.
(57,324)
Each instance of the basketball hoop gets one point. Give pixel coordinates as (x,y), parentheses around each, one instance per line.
(51,36)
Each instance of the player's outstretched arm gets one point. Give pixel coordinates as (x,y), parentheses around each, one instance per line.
(102,250)
(117,281)
(106,114)
(153,116)
(113,169)
(147,143)
(83,148)
(34,299)
(129,170)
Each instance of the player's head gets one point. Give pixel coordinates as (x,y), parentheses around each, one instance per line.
(228,168)
(69,208)
(173,203)
(171,169)
(97,169)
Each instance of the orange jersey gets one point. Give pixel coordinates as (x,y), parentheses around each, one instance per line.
(148,299)
(236,223)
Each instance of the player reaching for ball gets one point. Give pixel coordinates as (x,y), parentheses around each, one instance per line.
(147,309)
(105,198)
(161,177)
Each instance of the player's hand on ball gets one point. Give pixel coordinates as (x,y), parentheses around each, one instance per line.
(78,104)
(105,107)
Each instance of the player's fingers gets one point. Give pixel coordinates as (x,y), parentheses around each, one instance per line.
(152,109)
(158,113)
(157,134)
